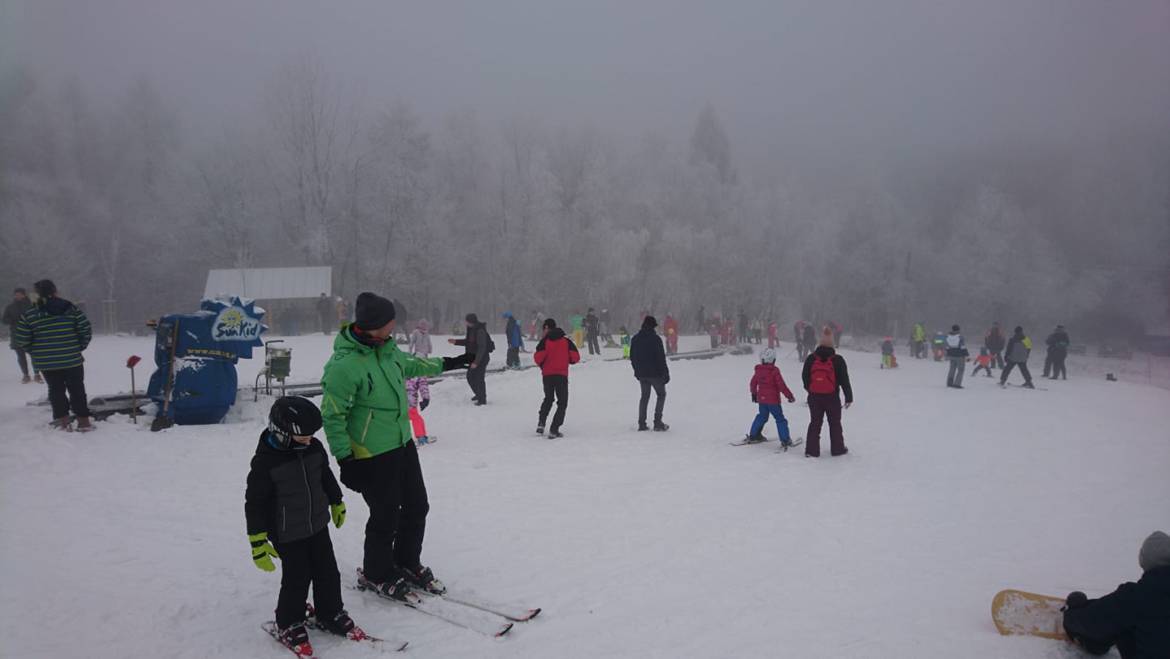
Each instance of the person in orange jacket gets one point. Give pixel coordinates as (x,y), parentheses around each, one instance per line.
(670,328)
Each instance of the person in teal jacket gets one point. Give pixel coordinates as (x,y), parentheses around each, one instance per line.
(365,414)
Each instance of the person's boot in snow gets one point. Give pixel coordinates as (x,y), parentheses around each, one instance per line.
(84,424)
(25,380)
(422,577)
(660,426)
(64,423)
(38,379)
(540,428)
(754,439)
(643,427)
(555,434)
(296,638)
(1028,385)
(397,589)
(342,625)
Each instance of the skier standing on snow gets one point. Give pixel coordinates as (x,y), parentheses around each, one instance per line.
(766,386)
(888,360)
(1018,349)
(1057,343)
(713,333)
(12,313)
(418,390)
(743,328)
(957,355)
(994,341)
(918,341)
(824,374)
(554,354)
(1135,617)
(592,332)
(670,328)
(648,358)
(290,467)
(326,311)
(477,346)
(363,401)
(54,333)
(515,340)
(808,341)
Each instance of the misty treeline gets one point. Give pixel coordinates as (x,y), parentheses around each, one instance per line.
(114,201)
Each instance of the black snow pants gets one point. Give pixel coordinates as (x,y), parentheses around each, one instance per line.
(659,387)
(392,485)
(302,562)
(1023,370)
(475,380)
(67,391)
(555,386)
(819,407)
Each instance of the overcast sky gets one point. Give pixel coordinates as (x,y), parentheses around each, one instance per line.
(885,72)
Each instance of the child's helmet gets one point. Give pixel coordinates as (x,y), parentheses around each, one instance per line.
(768,356)
(293,415)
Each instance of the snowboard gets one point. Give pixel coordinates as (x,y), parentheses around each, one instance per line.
(1018,612)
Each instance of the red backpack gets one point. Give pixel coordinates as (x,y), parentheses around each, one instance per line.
(822,377)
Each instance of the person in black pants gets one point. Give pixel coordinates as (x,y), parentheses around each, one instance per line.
(290,499)
(1019,347)
(1057,343)
(478,345)
(54,332)
(648,357)
(825,374)
(554,354)
(592,332)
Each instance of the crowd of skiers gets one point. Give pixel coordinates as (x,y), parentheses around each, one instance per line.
(998,351)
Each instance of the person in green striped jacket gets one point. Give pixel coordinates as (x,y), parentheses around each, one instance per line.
(54,333)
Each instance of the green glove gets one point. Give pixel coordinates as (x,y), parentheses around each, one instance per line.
(337,510)
(262,551)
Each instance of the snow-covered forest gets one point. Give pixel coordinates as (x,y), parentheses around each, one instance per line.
(111,191)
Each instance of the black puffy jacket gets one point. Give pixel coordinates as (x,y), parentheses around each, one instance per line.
(1135,617)
(647,355)
(289,491)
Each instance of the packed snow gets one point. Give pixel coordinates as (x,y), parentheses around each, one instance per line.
(124,543)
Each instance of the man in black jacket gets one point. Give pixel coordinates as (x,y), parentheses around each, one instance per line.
(478,344)
(1057,343)
(1135,617)
(648,357)
(290,500)
(12,313)
(592,332)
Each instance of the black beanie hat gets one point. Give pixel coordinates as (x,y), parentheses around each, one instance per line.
(472,318)
(954,328)
(372,311)
(45,288)
(549,323)
(649,322)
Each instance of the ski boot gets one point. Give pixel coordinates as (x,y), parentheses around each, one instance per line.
(25,380)
(396,589)
(642,427)
(423,440)
(660,427)
(753,439)
(555,434)
(342,625)
(295,637)
(422,577)
(540,428)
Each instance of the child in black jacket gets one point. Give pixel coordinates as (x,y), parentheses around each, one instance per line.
(291,498)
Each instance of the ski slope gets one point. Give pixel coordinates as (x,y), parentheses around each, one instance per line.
(124,543)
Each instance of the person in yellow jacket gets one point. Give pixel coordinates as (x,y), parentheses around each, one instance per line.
(1019,347)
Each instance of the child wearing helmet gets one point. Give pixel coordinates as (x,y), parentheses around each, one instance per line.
(888,359)
(767,385)
(290,500)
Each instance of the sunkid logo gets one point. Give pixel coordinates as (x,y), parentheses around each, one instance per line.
(233,324)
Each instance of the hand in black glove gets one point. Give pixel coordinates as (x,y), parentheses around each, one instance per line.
(754,399)
(1075,600)
(666,380)
(423,404)
(453,363)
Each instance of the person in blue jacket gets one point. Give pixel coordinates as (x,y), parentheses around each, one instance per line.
(515,340)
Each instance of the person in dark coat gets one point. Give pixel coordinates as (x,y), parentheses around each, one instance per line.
(743,327)
(54,333)
(290,499)
(995,341)
(477,344)
(326,311)
(554,354)
(825,374)
(515,340)
(648,357)
(12,313)
(808,340)
(1135,617)
(592,332)
(1057,343)
(1019,347)
(957,356)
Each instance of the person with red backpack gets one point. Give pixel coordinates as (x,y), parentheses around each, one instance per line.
(766,386)
(554,354)
(824,374)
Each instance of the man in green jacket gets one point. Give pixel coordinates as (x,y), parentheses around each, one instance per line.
(54,333)
(364,411)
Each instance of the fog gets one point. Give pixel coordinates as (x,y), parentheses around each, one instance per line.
(875,163)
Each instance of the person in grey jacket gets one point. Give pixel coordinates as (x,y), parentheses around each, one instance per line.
(957,355)
(478,344)
(1019,347)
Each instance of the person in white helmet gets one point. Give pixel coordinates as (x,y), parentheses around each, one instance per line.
(767,385)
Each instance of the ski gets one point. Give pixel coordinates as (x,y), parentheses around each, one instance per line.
(515,615)
(1020,386)
(793,444)
(454,614)
(312,623)
(745,442)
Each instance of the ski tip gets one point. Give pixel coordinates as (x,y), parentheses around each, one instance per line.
(507,628)
(402,647)
(532,613)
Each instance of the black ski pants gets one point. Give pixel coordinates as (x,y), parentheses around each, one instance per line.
(659,387)
(475,380)
(513,359)
(1023,370)
(302,562)
(594,347)
(819,407)
(1059,370)
(555,386)
(67,391)
(392,485)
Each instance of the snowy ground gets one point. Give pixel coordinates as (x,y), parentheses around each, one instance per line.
(124,543)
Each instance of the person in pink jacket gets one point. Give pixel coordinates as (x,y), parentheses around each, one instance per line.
(418,390)
(767,386)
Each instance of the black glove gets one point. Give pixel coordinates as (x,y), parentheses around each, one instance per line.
(453,363)
(666,380)
(754,399)
(423,404)
(1075,600)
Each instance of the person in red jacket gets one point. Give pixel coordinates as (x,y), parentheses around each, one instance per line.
(825,373)
(670,328)
(554,354)
(773,336)
(766,386)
